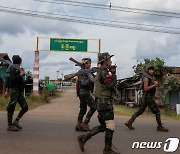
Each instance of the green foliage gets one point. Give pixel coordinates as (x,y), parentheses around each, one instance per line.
(157,63)
(172,82)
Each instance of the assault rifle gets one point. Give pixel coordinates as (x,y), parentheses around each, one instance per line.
(83,70)
(76,62)
(9,64)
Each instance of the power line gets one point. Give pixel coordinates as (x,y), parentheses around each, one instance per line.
(88,18)
(36,14)
(115,8)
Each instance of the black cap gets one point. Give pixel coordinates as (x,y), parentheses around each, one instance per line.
(151,68)
(16,59)
(84,60)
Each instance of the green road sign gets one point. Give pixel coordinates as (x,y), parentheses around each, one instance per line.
(46,80)
(74,45)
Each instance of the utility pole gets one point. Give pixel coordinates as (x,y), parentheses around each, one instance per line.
(62,81)
(57,74)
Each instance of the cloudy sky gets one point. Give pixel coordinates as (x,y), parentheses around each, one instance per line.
(19,33)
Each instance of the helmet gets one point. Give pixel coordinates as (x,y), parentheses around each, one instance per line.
(16,59)
(104,56)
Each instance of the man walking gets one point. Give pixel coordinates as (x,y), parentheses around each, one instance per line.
(16,85)
(149,90)
(85,86)
(104,91)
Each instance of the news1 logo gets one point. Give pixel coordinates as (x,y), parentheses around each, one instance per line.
(170,145)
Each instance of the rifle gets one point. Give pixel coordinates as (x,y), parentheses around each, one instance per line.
(76,62)
(83,70)
(9,63)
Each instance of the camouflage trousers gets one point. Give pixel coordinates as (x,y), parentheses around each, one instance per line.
(86,100)
(103,117)
(148,102)
(16,96)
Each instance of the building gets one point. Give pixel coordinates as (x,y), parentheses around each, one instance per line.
(173,97)
(129,91)
(3,72)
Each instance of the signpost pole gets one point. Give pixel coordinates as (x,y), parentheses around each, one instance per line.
(36,70)
(99,49)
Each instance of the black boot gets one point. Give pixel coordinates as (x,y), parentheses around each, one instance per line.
(82,139)
(108,149)
(162,129)
(129,124)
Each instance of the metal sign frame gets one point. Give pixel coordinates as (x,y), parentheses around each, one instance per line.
(36,60)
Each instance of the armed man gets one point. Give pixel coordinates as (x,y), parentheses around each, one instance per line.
(149,90)
(16,86)
(104,91)
(85,86)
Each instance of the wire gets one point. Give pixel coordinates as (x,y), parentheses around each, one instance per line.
(36,14)
(111,21)
(115,8)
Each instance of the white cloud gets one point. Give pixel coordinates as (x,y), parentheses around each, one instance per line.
(152,48)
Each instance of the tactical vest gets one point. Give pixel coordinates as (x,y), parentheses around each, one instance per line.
(85,89)
(101,90)
(151,92)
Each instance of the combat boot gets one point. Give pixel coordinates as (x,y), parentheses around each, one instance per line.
(108,149)
(85,125)
(129,124)
(79,127)
(12,128)
(16,123)
(162,129)
(82,139)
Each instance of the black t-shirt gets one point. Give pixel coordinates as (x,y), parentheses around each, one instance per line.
(15,79)
(152,92)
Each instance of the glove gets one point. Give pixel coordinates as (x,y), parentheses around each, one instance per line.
(112,69)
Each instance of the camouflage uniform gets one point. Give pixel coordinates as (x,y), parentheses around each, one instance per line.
(16,95)
(16,85)
(104,92)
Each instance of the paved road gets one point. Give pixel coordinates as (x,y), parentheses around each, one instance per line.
(49,129)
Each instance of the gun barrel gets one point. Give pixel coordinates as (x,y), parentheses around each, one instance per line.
(75,61)
(69,76)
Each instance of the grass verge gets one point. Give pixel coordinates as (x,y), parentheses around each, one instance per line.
(127,111)
(32,100)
